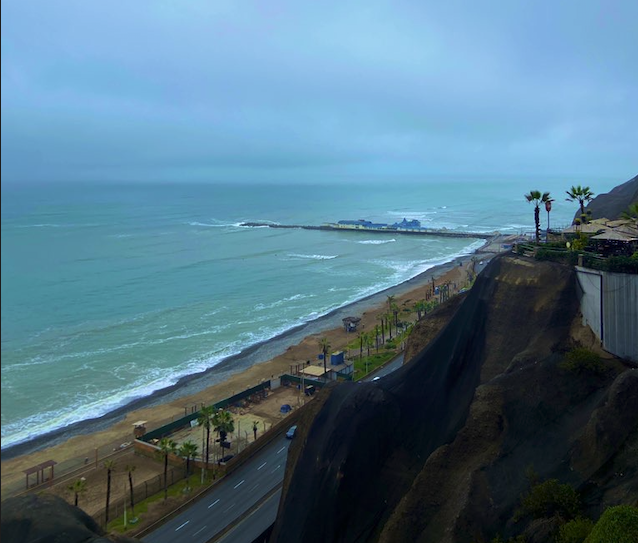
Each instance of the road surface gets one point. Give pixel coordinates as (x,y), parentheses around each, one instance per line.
(228,500)
(237,494)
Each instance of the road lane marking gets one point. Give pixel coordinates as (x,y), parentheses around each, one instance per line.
(281,449)
(253,488)
(200,530)
(273,471)
(182,525)
(239,483)
(216,501)
(261,466)
(226,510)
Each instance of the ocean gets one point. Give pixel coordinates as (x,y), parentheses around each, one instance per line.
(111,292)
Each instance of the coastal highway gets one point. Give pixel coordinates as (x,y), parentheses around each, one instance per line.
(237,494)
(229,500)
(255,524)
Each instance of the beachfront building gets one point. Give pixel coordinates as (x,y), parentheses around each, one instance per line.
(360,224)
(407,225)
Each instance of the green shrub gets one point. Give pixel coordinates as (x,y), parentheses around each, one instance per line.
(517,539)
(616,525)
(574,531)
(548,499)
(581,360)
(622,264)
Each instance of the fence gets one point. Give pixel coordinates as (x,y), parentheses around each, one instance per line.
(608,305)
(170,428)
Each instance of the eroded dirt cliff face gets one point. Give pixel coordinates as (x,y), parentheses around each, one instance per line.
(438,451)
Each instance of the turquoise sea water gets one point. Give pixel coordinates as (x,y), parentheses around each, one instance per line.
(111,292)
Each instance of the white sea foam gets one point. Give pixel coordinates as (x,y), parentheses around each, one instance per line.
(283,301)
(376,241)
(312,257)
(208,225)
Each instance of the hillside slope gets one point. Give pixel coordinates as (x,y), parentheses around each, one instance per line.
(438,450)
(612,204)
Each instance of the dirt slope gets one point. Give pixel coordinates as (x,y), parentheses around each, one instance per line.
(438,450)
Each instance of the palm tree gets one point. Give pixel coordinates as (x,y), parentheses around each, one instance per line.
(395,312)
(205,419)
(537,199)
(632,212)
(79,487)
(188,450)
(377,331)
(325,347)
(369,342)
(388,320)
(224,424)
(361,337)
(130,469)
(581,195)
(167,446)
(380,317)
(390,302)
(110,468)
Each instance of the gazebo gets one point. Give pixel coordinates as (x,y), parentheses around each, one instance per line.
(350,323)
(39,471)
(613,242)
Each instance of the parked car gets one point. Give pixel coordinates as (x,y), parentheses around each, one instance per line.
(225,458)
(291,433)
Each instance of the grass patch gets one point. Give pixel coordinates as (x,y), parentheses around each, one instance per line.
(141,508)
(581,360)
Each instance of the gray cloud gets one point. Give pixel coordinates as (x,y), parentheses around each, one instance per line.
(199,90)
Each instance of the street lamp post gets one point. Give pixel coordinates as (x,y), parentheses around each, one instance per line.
(548,207)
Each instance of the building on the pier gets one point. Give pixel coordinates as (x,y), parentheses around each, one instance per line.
(407,225)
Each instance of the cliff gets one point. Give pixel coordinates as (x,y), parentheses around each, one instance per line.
(611,205)
(442,449)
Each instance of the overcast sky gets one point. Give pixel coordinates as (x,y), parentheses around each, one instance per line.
(242,90)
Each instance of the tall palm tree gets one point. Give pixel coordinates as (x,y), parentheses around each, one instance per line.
(581,195)
(224,424)
(167,446)
(110,468)
(388,321)
(325,347)
(130,468)
(78,487)
(361,337)
(537,199)
(381,317)
(377,331)
(188,450)
(205,419)
(369,341)
(395,311)
(390,302)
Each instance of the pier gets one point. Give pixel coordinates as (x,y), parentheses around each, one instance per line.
(387,230)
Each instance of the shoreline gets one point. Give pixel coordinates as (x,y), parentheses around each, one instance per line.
(252,360)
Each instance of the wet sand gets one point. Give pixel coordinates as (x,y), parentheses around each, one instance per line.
(72,445)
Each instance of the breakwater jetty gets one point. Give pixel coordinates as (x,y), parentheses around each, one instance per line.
(379,230)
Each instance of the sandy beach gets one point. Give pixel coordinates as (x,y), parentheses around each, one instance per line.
(84,441)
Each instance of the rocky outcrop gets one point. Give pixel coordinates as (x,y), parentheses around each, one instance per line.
(439,450)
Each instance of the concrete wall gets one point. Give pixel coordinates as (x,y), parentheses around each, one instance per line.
(609,305)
